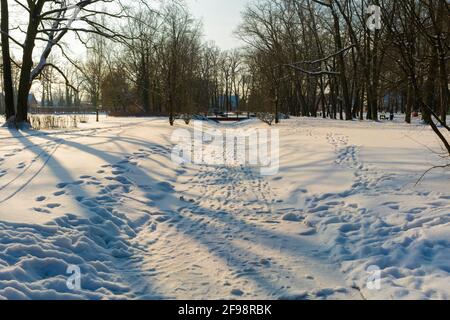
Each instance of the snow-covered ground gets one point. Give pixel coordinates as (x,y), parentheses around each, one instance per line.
(107,198)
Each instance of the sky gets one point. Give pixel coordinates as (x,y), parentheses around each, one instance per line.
(220,18)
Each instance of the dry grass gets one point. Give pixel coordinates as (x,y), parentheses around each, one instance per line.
(46,122)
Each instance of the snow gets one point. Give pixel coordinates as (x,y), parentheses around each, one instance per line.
(107,198)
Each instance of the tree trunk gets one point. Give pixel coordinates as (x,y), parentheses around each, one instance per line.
(342,67)
(27,64)
(7,73)
(430,89)
(444,92)
(409,102)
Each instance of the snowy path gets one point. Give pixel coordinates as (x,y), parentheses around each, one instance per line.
(229,243)
(111,201)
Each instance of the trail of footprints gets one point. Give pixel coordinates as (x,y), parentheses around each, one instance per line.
(367,179)
(111,183)
(228,195)
(331,210)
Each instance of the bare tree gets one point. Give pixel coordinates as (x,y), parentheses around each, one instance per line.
(48,22)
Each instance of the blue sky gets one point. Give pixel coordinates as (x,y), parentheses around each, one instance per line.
(220,18)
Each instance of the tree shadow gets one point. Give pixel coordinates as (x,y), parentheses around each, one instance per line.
(92,221)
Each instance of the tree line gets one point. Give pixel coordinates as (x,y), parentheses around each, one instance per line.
(165,68)
(140,60)
(346,59)
(323,57)
(351,59)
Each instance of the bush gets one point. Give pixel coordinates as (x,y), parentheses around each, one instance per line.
(266,117)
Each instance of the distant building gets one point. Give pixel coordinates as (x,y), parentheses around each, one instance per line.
(32,102)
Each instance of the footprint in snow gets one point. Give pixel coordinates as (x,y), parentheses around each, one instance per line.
(417,210)
(292,217)
(53,205)
(237,292)
(349,227)
(319,209)
(308,232)
(40,210)
(62,185)
(180,172)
